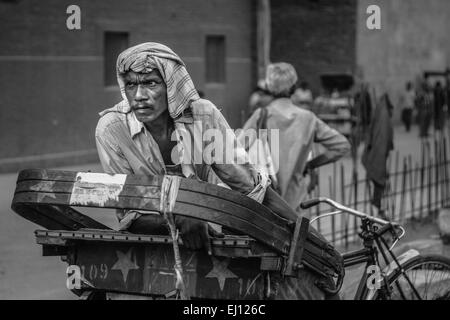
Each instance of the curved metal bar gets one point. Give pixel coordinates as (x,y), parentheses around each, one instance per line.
(398,238)
(328,214)
(341,209)
(353,212)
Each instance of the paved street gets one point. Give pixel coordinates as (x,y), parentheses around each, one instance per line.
(24,273)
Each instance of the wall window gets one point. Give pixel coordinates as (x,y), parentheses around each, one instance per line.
(215,59)
(113,44)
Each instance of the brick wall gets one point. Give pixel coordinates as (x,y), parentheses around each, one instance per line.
(316,36)
(52,78)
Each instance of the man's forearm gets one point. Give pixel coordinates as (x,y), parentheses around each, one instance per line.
(321,160)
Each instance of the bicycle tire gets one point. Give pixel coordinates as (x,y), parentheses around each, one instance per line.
(416,268)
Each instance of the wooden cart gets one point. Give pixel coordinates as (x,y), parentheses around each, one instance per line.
(113,264)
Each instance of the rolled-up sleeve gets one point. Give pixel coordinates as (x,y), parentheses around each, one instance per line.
(238,174)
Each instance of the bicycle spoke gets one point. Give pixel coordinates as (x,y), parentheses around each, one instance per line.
(434,271)
(441,280)
(425,289)
(427,281)
(400,290)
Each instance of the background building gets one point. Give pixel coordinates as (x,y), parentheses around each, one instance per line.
(54,81)
(413,38)
(316,36)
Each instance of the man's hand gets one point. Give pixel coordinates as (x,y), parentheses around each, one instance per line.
(313,177)
(313,181)
(196,234)
(307,169)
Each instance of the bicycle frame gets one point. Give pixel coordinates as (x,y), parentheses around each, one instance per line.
(359,257)
(368,255)
(373,243)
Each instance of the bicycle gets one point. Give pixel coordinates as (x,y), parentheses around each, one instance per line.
(409,276)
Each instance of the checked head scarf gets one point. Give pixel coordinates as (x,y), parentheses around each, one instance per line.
(147,56)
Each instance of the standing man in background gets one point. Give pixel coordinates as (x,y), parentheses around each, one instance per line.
(298,130)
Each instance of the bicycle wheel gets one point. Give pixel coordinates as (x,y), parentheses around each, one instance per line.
(428,274)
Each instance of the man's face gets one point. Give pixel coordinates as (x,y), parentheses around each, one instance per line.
(146,94)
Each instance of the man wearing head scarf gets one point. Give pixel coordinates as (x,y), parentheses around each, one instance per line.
(154,131)
(298,130)
(134,137)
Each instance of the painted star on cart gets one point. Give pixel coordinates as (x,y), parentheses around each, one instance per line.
(220,271)
(125,263)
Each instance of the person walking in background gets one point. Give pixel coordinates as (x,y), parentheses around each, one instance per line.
(424,105)
(298,130)
(379,144)
(439,105)
(363,112)
(407,102)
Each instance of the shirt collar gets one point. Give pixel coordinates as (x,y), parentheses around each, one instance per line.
(134,124)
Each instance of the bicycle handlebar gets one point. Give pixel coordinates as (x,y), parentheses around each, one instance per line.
(310,203)
(313,202)
(341,208)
